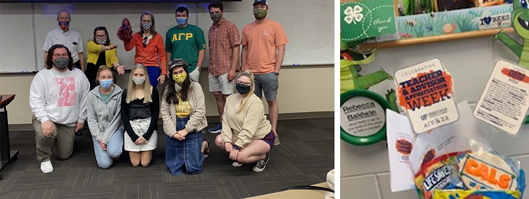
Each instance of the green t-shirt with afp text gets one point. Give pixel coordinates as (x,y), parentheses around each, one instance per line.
(185,43)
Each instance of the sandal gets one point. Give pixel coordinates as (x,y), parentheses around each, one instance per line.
(206,150)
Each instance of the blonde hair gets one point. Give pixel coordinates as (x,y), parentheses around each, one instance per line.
(248,74)
(103,68)
(132,86)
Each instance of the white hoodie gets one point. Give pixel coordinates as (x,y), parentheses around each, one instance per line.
(59,96)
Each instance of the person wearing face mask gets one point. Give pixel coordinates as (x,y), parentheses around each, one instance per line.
(186,41)
(247,135)
(224,47)
(184,116)
(57,98)
(101,52)
(104,118)
(150,50)
(140,107)
(263,49)
(67,37)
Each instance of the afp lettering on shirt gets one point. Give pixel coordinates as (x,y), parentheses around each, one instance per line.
(179,36)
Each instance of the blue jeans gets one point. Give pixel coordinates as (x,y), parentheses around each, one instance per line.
(114,149)
(154,73)
(185,153)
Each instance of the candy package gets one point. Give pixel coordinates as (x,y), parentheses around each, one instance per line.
(456,161)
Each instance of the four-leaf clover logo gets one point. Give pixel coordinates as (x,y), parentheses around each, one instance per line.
(353,15)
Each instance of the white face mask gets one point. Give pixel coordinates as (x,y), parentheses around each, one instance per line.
(138,81)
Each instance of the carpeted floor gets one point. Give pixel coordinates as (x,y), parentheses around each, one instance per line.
(304,157)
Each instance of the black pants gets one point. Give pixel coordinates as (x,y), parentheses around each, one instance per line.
(78,65)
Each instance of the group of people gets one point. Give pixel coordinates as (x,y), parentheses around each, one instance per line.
(66,93)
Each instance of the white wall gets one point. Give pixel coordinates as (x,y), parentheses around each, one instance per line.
(365,169)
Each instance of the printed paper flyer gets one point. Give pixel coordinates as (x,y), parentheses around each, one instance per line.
(505,100)
(426,93)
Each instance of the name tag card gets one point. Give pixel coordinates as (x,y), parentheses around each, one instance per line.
(426,93)
(505,100)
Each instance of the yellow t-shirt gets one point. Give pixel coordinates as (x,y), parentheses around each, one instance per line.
(183,108)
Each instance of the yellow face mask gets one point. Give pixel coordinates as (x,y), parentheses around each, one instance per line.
(180,78)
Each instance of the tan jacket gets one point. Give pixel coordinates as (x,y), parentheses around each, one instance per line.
(197,118)
(250,124)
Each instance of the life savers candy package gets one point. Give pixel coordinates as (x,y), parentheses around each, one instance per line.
(439,173)
(452,161)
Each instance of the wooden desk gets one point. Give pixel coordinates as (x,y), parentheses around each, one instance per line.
(296,194)
(6,155)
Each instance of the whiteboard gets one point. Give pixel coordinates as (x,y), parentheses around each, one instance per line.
(309,26)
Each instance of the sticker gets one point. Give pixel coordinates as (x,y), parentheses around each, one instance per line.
(403,146)
(426,93)
(494,21)
(486,171)
(362,117)
(505,100)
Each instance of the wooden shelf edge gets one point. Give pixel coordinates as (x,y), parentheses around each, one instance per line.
(433,39)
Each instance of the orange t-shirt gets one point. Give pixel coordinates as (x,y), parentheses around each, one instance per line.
(262,40)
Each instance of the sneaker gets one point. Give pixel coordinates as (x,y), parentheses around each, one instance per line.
(236,164)
(276,141)
(261,164)
(216,129)
(46,167)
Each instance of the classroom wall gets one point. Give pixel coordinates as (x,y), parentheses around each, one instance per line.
(365,169)
(302,89)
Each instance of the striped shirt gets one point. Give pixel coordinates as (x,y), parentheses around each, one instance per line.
(222,38)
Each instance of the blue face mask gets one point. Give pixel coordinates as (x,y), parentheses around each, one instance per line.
(181,21)
(106,83)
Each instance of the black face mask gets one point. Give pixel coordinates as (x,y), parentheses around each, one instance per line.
(242,89)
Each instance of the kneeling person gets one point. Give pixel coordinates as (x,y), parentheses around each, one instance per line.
(57,98)
(104,118)
(246,133)
(184,118)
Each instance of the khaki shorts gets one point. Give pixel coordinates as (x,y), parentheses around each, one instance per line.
(194,76)
(220,84)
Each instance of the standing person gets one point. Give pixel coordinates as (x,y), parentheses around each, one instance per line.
(224,47)
(57,98)
(150,50)
(104,118)
(186,41)
(101,52)
(246,134)
(67,37)
(263,49)
(140,108)
(184,117)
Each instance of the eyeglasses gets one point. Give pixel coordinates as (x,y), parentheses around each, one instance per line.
(145,39)
(244,83)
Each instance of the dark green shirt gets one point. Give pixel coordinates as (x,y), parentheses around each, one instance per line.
(185,43)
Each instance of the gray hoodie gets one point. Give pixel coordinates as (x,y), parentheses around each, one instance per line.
(104,118)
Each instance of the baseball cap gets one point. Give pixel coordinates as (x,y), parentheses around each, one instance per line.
(260,1)
(177,62)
